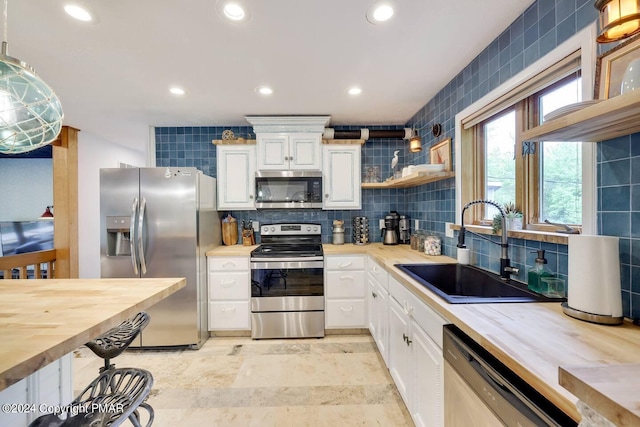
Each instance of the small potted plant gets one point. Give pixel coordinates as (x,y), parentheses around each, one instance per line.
(513,217)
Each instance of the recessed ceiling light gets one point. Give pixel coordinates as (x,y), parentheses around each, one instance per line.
(380,12)
(264,90)
(176,90)
(78,12)
(233,10)
(354,91)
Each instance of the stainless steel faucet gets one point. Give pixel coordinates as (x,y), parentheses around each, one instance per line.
(506,270)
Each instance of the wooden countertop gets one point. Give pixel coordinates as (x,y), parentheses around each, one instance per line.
(611,390)
(233,250)
(42,320)
(532,339)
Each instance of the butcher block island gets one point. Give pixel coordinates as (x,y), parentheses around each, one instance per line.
(43,320)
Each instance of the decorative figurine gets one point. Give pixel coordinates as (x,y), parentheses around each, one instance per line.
(394,163)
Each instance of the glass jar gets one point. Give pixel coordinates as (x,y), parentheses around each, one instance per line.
(375,175)
(414,241)
(433,245)
(422,237)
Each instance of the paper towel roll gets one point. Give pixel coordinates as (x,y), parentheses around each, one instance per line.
(594,275)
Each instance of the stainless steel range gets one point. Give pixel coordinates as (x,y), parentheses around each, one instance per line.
(287,282)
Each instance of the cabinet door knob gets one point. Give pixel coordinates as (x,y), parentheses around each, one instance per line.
(251,196)
(373,294)
(326,196)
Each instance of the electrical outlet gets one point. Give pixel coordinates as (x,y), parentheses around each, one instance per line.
(381,223)
(416,224)
(448,231)
(256,225)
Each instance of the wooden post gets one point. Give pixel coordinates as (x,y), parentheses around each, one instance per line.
(65,203)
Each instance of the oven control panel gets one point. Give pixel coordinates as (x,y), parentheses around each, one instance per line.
(291,229)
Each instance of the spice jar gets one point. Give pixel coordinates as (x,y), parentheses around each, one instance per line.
(414,241)
(433,245)
(422,236)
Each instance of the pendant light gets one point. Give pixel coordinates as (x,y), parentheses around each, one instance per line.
(47,213)
(30,113)
(619,19)
(415,142)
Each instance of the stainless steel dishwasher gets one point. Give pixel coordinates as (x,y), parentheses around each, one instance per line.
(479,387)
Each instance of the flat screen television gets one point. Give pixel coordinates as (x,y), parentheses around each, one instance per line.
(19,237)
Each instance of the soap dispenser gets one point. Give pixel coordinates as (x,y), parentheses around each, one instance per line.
(537,272)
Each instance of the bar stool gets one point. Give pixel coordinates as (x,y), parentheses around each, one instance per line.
(116,340)
(113,397)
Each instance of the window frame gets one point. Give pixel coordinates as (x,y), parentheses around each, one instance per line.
(466,158)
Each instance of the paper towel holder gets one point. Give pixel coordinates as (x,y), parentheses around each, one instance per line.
(600,319)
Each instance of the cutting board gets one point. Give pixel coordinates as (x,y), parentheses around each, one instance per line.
(230,233)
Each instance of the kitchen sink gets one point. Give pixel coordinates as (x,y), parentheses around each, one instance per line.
(465,284)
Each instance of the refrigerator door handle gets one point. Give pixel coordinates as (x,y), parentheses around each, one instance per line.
(143,263)
(132,229)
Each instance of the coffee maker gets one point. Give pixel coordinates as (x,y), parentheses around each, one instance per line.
(404,227)
(391,231)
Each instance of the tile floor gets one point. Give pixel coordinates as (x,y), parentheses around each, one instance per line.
(340,380)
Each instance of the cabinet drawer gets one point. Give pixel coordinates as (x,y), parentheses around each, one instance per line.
(425,316)
(398,291)
(345,284)
(228,263)
(230,315)
(344,262)
(229,285)
(346,313)
(378,273)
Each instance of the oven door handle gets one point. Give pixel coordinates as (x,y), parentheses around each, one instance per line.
(281,265)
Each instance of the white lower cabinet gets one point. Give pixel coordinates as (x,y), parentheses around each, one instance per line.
(229,293)
(39,393)
(345,292)
(415,355)
(400,349)
(378,307)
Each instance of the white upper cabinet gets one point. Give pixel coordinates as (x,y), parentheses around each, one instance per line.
(289,142)
(236,176)
(289,151)
(341,177)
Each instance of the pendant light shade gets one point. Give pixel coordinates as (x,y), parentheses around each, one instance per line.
(47,213)
(30,113)
(619,19)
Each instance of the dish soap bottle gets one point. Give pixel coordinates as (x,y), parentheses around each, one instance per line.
(537,272)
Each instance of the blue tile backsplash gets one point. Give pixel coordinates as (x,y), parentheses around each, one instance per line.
(541,28)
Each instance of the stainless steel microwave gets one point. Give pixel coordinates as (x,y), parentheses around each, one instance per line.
(288,190)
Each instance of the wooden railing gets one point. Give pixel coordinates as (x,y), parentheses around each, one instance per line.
(29,265)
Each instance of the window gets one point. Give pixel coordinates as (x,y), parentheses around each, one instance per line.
(560,162)
(543,179)
(531,94)
(499,137)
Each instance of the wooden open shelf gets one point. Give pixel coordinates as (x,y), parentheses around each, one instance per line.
(239,141)
(412,180)
(605,120)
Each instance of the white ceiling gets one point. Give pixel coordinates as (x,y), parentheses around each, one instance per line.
(113,76)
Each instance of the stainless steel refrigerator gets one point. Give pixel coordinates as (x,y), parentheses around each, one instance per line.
(160,222)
